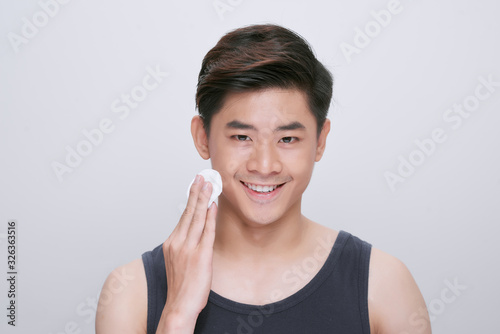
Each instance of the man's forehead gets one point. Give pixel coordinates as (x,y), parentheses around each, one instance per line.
(277,107)
(270,97)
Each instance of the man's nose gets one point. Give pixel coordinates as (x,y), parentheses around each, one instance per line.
(265,159)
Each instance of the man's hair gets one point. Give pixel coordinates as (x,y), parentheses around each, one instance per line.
(259,57)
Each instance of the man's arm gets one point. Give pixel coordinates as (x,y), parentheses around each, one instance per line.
(395,303)
(188,254)
(123,301)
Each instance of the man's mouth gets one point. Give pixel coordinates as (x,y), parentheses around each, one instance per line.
(263,189)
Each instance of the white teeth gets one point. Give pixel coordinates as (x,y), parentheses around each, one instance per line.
(260,189)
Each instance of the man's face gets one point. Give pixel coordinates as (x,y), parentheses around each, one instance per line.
(264,144)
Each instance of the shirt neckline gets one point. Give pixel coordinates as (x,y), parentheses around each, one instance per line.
(296,297)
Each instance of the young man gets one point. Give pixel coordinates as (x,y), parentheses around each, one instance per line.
(253,263)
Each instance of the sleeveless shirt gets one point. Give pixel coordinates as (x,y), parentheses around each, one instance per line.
(335,300)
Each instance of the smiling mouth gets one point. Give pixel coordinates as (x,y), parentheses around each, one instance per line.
(263,189)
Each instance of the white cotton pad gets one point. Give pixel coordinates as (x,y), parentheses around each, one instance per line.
(212,176)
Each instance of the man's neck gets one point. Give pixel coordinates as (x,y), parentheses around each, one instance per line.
(250,259)
(237,239)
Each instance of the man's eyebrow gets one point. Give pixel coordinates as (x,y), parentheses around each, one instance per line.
(244,126)
(240,125)
(291,126)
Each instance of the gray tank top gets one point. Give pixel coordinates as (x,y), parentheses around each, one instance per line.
(334,301)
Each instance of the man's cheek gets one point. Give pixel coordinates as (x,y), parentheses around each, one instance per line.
(301,172)
(235,160)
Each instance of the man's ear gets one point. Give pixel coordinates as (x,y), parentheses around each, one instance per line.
(200,138)
(320,149)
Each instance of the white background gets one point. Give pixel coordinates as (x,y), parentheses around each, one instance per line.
(127,194)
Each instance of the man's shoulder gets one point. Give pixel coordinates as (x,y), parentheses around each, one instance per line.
(394,299)
(387,270)
(123,300)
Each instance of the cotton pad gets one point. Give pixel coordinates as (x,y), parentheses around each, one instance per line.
(212,176)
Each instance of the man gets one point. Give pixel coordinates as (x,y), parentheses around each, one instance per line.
(253,263)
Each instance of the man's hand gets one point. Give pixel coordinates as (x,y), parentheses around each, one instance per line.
(188,253)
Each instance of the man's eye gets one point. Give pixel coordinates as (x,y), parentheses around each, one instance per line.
(241,137)
(288,140)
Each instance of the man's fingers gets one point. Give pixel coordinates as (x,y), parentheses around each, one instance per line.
(200,215)
(208,236)
(187,216)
